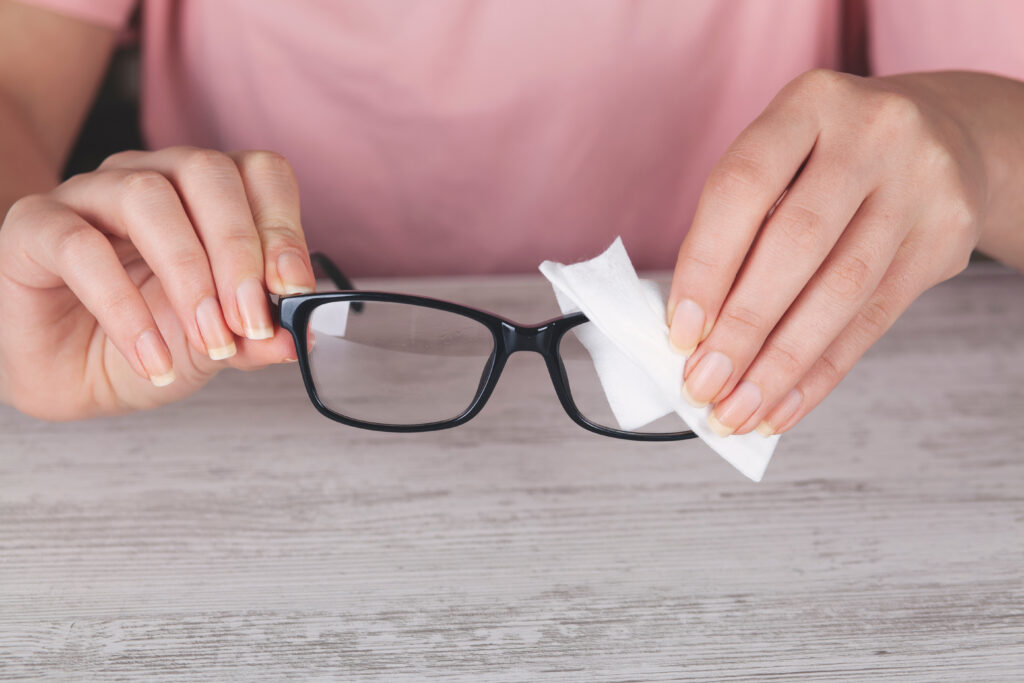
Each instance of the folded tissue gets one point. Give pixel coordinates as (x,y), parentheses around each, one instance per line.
(640,372)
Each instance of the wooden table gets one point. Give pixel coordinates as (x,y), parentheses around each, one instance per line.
(241,536)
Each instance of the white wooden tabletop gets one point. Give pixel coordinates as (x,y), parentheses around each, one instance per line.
(239,535)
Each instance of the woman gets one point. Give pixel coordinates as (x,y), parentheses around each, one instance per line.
(459,136)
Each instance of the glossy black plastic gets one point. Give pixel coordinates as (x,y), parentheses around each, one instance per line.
(509,337)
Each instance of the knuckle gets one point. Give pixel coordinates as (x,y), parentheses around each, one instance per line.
(736,176)
(25,207)
(697,257)
(819,82)
(741,318)
(895,112)
(190,260)
(803,229)
(874,319)
(238,240)
(120,158)
(77,240)
(145,184)
(278,233)
(846,278)
(829,370)
(205,163)
(121,305)
(963,216)
(268,163)
(940,160)
(784,360)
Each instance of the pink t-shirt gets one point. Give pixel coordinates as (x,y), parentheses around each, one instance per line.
(463,136)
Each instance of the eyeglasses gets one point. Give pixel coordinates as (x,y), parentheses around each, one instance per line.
(402,363)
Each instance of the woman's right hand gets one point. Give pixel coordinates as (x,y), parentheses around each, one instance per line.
(131,286)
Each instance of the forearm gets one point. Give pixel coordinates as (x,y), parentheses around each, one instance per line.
(991,111)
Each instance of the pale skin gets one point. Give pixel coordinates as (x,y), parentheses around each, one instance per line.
(902,177)
(131,286)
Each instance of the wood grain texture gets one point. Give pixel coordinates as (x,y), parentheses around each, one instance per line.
(240,536)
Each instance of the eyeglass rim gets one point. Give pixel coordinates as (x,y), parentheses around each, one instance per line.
(509,337)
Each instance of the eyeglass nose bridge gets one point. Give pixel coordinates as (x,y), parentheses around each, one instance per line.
(536,338)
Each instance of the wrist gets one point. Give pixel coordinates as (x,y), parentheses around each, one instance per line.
(988,112)
(1001,141)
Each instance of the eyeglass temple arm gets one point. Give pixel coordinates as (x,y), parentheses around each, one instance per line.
(333,272)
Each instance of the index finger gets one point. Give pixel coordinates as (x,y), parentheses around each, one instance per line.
(273,194)
(739,193)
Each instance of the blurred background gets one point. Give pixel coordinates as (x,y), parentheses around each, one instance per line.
(113,124)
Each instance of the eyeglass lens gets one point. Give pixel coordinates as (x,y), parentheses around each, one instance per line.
(590,397)
(396,363)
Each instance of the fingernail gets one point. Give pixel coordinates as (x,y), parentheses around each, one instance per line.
(736,409)
(717,427)
(292,270)
(785,409)
(691,400)
(252,306)
(219,341)
(155,358)
(162,380)
(289,360)
(707,378)
(687,325)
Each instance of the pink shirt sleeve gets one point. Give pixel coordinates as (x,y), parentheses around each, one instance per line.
(109,13)
(934,35)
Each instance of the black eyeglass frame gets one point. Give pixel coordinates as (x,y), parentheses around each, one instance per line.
(509,337)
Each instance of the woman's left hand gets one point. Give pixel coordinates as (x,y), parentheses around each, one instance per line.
(896,181)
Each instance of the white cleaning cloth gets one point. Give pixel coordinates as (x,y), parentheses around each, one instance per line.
(628,340)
